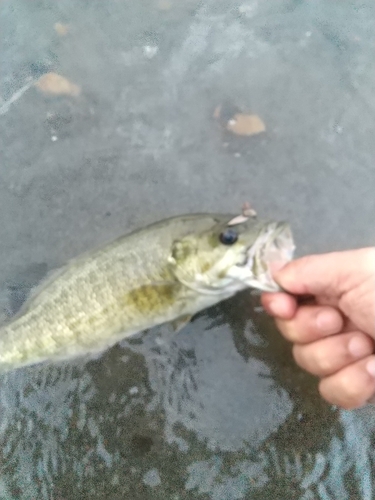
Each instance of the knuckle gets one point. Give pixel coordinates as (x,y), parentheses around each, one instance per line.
(299,357)
(287,329)
(336,396)
(314,360)
(349,388)
(324,363)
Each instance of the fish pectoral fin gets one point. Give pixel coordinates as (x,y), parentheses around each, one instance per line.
(179,323)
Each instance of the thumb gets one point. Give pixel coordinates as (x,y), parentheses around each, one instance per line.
(327,274)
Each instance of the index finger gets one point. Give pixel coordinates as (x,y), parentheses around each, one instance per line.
(279,304)
(329,274)
(311,323)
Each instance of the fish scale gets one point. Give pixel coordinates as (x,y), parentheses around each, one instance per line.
(141,280)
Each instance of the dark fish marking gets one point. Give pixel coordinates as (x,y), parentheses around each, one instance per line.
(151,298)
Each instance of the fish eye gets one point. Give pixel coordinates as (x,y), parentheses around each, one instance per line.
(228,237)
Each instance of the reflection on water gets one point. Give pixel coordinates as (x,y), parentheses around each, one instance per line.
(217,411)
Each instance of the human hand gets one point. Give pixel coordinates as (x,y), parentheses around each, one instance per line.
(333,334)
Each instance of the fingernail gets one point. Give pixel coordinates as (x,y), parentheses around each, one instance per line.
(370,367)
(358,347)
(328,322)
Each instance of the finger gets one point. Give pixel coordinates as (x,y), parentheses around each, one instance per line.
(352,386)
(311,323)
(327,356)
(327,274)
(284,306)
(281,305)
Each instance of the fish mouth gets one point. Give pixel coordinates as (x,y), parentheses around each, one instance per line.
(273,246)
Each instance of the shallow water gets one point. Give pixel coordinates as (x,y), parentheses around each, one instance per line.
(218,411)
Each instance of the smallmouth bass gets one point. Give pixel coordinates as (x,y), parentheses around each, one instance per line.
(169,270)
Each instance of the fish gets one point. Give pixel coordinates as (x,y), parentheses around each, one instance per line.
(163,273)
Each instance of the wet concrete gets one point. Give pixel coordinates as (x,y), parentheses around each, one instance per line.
(218,411)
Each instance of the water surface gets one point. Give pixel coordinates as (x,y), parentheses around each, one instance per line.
(218,411)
